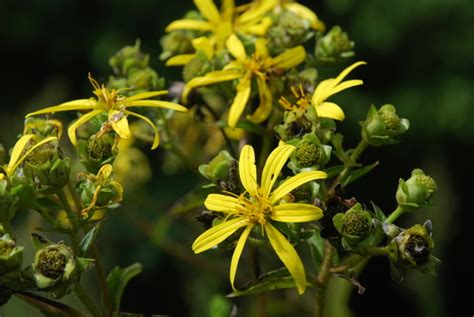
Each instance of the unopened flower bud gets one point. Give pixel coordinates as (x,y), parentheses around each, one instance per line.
(43,128)
(354,224)
(127,58)
(221,170)
(175,43)
(198,66)
(97,151)
(289,30)
(53,265)
(309,153)
(334,46)
(383,126)
(416,191)
(11,255)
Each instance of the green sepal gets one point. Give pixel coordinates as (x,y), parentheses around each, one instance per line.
(88,239)
(379,214)
(118,279)
(431,267)
(316,244)
(85,264)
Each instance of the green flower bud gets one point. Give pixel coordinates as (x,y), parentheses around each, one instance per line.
(354,224)
(198,66)
(97,151)
(289,30)
(176,43)
(334,46)
(53,265)
(309,153)
(11,256)
(127,58)
(416,191)
(383,126)
(42,127)
(222,170)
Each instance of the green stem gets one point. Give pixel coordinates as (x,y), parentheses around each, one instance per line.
(102,280)
(323,278)
(215,117)
(85,299)
(394,215)
(72,218)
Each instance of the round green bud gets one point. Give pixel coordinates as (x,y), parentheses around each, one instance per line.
(11,256)
(127,58)
(143,79)
(97,151)
(53,264)
(175,43)
(287,31)
(221,168)
(334,46)
(355,223)
(389,117)
(307,153)
(416,191)
(198,66)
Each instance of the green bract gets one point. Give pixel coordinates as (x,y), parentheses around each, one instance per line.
(11,256)
(334,46)
(310,153)
(416,191)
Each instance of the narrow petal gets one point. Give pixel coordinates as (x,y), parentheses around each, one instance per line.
(248,169)
(322,91)
(146,95)
(189,24)
(290,58)
(330,110)
(240,101)
(156,139)
(119,122)
(208,79)
(156,104)
(228,8)
(266,102)
(71,130)
(256,12)
(275,162)
(294,182)
(259,29)
(296,212)
(209,10)
(287,255)
(222,203)
(180,60)
(346,84)
(346,72)
(217,234)
(16,158)
(237,253)
(204,45)
(235,47)
(261,47)
(80,104)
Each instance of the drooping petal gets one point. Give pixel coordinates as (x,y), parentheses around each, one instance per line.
(222,203)
(71,130)
(204,45)
(287,255)
(180,60)
(306,14)
(294,182)
(80,104)
(240,101)
(217,234)
(346,72)
(330,110)
(266,102)
(275,162)
(208,79)
(237,253)
(146,95)
(16,158)
(248,169)
(156,104)
(290,58)
(119,122)
(235,47)
(209,10)
(296,212)
(156,138)
(189,24)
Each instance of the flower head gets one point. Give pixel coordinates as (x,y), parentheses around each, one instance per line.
(115,106)
(260,205)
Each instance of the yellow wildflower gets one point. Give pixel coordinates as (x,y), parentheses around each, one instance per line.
(116,106)
(259,65)
(259,205)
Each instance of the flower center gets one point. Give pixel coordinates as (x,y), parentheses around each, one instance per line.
(257,209)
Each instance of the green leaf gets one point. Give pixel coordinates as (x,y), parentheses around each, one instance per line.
(355,174)
(118,279)
(333,171)
(249,126)
(379,214)
(88,239)
(49,307)
(336,141)
(316,244)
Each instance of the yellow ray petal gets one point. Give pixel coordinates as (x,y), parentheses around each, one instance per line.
(71,130)
(156,139)
(237,253)
(80,104)
(235,47)
(275,162)
(306,14)
(259,29)
(119,122)
(16,158)
(189,24)
(209,10)
(256,12)
(287,255)
(208,79)
(266,102)
(345,85)
(240,101)
(204,45)
(290,58)
(294,182)
(248,169)
(346,72)
(296,212)
(217,234)
(322,91)
(261,47)
(180,60)
(156,104)
(228,8)
(330,110)
(222,203)
(146,95)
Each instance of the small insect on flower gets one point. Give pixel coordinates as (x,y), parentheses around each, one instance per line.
(116,107)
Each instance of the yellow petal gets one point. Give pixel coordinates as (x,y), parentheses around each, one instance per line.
(208,79)
(156,104)
(16,157)
(330,110)
(146,95)
(287,255)
(296,212)
(222,203)
(180,60)
(259,29)
(209,10)
(71,130)
(80,104)
(235,47)
(228,8)
(237,253)
(322,91)
(119,122)
(346,84)
(204,45)
(275,162)
(248,169)
(189,24)
(261,47)
(256,12)
(346,72)
(240,101)
(217,234)
(266,102)
(290,58)
(156,139)
(294,182)
(306,14)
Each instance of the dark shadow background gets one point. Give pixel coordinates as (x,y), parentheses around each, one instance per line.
(420,58)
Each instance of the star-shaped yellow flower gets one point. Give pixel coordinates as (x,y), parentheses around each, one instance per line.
(116,106)
(260,205)
(260,66)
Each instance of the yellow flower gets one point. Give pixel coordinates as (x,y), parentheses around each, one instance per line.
(221,24)
(260,66)
(259,205)
(202,44)
(116,106)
